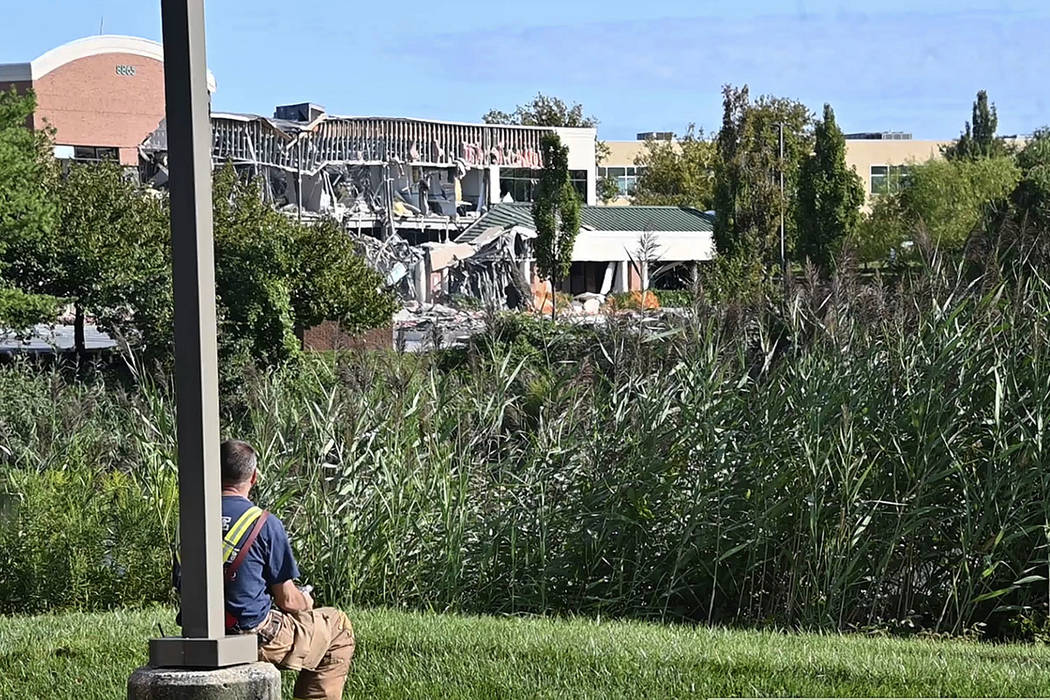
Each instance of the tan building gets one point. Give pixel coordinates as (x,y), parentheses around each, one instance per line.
(620,165)
(880,159)
(103,95)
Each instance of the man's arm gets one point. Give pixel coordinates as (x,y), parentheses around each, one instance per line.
(289,598)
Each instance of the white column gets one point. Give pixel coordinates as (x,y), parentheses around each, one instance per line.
(493,176)
(422,281)
(607,279)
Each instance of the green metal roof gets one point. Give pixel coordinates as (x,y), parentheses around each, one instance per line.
(629,218)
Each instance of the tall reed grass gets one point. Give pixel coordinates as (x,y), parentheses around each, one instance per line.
(856,457)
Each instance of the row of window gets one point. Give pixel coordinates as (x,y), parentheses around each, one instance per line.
(626,177)
(87,154)
(519,184)
(888,179)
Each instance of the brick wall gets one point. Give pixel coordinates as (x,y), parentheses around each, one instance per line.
(328,336)
(92,102)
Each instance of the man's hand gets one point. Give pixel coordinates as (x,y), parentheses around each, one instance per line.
(289,598)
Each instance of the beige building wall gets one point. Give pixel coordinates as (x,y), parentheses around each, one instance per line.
(622,153)
(861,154)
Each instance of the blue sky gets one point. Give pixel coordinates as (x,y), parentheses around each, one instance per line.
(637,66)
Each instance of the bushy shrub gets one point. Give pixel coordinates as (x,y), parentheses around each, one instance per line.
(674,298)
(633,301)
(80,538)
(88,494)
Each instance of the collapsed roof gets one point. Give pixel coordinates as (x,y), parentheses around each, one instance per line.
(309,146)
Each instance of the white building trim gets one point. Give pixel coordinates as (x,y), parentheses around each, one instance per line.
(622,246)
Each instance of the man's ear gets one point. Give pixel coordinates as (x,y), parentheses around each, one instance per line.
(255,476)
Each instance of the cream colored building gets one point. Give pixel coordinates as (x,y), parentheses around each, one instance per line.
(880,162)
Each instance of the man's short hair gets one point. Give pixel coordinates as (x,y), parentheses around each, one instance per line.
(238,461)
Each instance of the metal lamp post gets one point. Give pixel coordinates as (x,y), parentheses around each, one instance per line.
(783,206)
(204,643)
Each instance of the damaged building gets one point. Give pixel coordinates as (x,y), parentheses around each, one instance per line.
(443,208)
(427,180)
(404,189)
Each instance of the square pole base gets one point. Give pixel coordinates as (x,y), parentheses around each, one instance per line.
(191,652)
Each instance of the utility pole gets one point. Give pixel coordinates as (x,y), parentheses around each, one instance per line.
(204,662)
(783,206)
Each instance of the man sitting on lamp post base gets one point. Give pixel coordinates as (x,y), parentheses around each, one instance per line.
(261,595)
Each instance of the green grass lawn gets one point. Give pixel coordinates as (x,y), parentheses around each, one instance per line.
(89,656)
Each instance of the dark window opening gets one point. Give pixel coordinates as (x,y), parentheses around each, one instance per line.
(519,184)
(888,179)
(95,154)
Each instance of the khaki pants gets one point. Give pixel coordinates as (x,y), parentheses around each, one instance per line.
(318,643)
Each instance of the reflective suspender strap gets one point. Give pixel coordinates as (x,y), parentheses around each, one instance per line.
(237,531)
(259,518)
(231,570)
(230,540)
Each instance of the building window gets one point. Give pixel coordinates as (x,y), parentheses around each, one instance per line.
(888,179)
(95,154)
(626,177)
(519,184)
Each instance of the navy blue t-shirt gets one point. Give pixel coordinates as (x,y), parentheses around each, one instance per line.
(268,562)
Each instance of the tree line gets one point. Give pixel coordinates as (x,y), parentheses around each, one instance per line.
(982,184)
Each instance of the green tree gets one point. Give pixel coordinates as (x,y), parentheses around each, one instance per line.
(543,110)
(941,201)
(111,237)
(1031,198)
(947,199)
(275,278)
(329,282)
(679,173)
(19,311)
(608,189)
(747,199)
(556,213)
(978,139)
(109,234)
(829,196)
(882,230)
(28,209)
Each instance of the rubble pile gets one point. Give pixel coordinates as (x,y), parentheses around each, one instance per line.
(419,327)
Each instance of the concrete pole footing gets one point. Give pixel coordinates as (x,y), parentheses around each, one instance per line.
(256,681)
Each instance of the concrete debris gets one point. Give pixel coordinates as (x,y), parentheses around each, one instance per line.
(433,326)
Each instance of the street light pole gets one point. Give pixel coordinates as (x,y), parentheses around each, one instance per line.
(783,206)
(204,643)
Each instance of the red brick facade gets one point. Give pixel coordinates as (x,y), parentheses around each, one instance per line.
(90,103)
